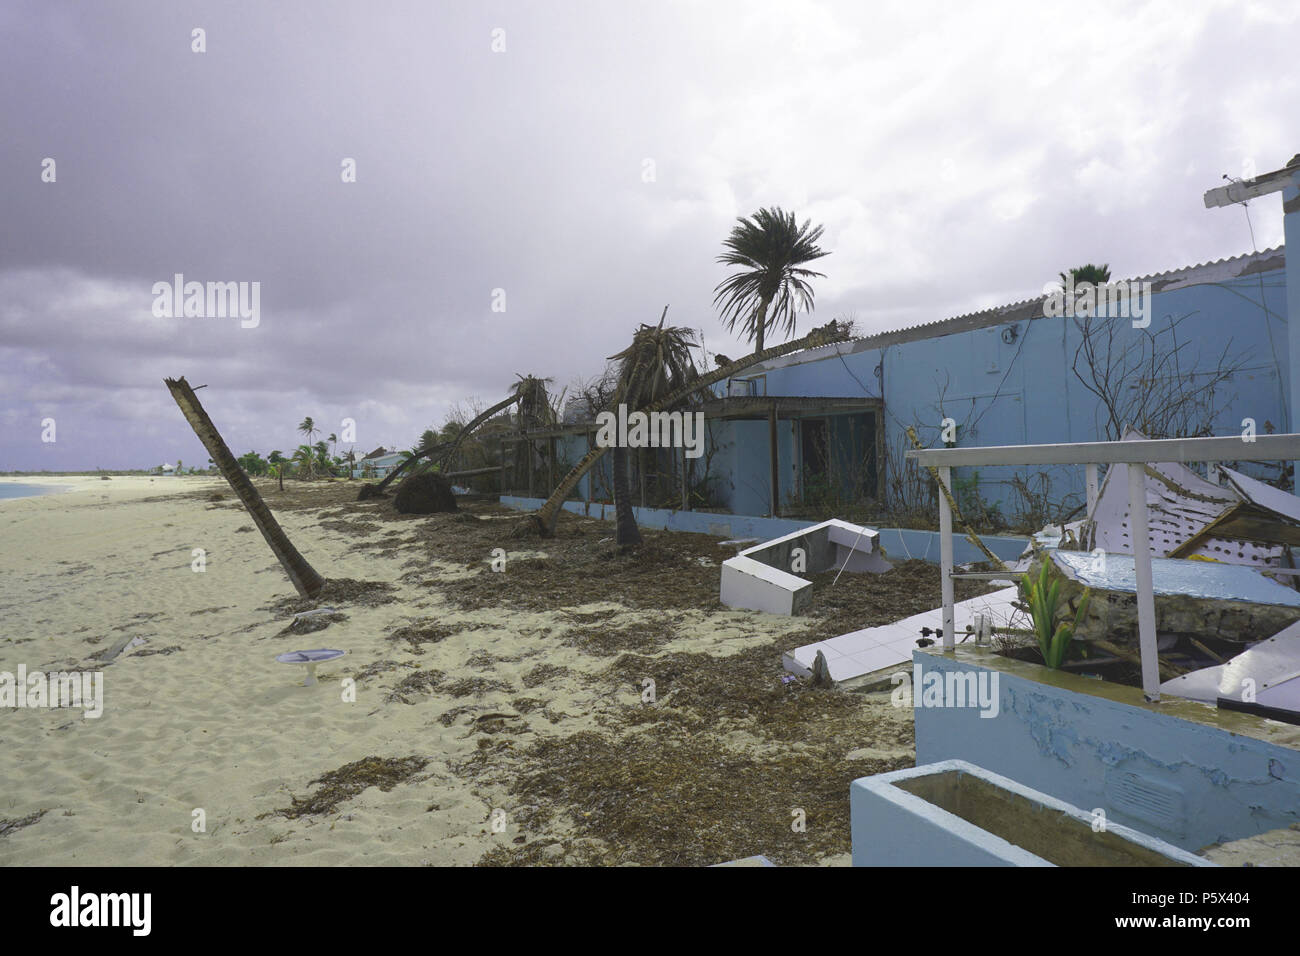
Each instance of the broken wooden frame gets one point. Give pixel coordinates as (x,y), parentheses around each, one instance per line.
(1136,455)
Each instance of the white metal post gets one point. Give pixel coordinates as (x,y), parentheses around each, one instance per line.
(945,560)
(1091,471)
(1146,601)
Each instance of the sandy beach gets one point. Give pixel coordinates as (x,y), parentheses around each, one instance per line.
(496,716)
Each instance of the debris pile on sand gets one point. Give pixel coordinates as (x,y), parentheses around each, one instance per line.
(425,494)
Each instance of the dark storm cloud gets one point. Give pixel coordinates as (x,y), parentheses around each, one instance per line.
(955,159)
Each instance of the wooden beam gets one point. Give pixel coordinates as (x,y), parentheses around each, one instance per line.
(529,459)
(686,493)
(772,455)
(1261,185)
(550,466)
(590,444)
(471,472)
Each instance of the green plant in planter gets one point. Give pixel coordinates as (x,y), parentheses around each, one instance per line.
(1053,638)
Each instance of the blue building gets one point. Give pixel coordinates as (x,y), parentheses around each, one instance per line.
(829,424)
(1215,347)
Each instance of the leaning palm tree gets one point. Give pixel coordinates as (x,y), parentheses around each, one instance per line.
(544,520)
(304,577)
(446,450)
(770,287)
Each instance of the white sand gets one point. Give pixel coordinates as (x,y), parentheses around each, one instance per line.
(218,725)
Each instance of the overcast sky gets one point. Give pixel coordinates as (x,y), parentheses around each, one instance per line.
(959,155)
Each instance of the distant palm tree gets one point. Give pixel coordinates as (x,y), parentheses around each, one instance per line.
(350,456)
(769,248)
(308,427)
(334,442)
(1086,275)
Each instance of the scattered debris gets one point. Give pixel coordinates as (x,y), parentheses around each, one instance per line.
(9,826)
(424,494)
(341,785)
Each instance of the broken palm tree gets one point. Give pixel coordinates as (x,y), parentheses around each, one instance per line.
(544,521)
(303,575)
(657,363)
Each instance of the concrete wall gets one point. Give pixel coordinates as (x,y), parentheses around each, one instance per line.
(1178,770)
(957,814)
(898,544)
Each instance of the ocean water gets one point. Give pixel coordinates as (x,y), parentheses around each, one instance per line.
(14,490)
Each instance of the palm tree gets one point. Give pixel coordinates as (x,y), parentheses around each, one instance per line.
(657,363)
(304,456)
(769,248)
(1089,274)
(308,427)
(304,577)
(447,449)
(351,458)
(322,450)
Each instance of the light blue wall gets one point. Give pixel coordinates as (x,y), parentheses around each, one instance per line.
(898,544)
(1038,397)
(1198,783)
(1010,393)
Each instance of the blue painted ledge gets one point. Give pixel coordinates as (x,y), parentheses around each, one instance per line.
(899,543)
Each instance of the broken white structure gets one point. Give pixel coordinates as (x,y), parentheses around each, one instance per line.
(1264,679)
(1247,522)
(765,577)
(890,646)
(1135,456)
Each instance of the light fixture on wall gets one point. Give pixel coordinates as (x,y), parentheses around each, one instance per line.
(1010,334)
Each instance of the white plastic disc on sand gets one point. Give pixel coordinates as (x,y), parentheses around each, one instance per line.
(311,659)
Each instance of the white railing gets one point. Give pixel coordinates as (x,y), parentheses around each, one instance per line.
(1134,454)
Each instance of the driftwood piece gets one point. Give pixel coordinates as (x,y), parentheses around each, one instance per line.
(303,575)
(957,518)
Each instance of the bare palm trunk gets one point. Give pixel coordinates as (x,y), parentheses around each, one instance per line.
(626,533)
(545,519)
(302,574)
(760,326)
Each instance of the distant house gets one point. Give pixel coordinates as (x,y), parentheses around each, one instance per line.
(377,464)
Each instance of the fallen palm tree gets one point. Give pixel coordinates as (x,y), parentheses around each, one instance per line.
(544,520)
(444,453)
(303,575)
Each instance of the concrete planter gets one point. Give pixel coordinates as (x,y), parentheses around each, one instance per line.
(957,814)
